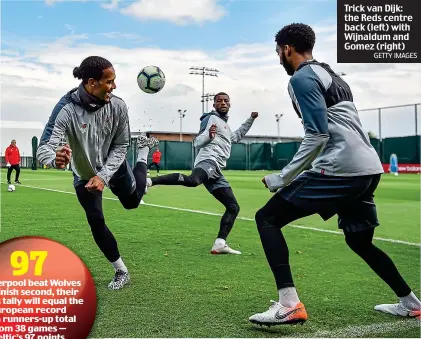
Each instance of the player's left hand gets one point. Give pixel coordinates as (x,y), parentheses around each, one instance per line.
(273,190)
(254,115)
(95,184)
(264,182)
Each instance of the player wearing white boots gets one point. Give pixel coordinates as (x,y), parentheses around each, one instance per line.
(214,144)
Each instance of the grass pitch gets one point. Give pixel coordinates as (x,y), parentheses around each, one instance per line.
(179,289)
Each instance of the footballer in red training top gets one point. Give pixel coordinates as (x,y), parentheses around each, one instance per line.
(156,160)
(12,157)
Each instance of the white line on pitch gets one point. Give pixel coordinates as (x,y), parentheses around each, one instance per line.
(358,331)
(240,218)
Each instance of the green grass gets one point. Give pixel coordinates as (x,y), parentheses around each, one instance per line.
(179,290)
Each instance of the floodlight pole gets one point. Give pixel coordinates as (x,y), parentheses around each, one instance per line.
(207,97)
(278,118)
(182,114)
(204,71)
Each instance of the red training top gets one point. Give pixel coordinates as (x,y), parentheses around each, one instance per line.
(12,155)
(156,157)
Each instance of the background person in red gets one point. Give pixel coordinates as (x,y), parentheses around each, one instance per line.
(156,159)
(12,161)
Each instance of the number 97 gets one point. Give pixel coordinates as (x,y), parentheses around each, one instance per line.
(19,260)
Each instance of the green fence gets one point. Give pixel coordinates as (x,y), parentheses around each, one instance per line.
(260,156)
(283,154)
(239,159)
(407,149)
(265,156)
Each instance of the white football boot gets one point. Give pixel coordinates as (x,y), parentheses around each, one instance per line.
(277,314)
(148,183)
(120,280)
(144,141)
(225,249)
(398,309)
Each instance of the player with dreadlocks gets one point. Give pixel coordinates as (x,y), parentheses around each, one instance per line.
(344,173)
(95,124)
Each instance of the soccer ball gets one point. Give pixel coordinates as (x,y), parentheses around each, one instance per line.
(11,188)
(151,79)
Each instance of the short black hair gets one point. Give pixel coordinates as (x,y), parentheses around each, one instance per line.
(220,93)
(91,67)
(300,36)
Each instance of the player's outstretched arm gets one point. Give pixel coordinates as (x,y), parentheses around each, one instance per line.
(310,98)
(206,133)
(239,134)
(54,136)
(118,149)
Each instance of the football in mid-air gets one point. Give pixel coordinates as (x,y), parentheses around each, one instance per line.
(151,79)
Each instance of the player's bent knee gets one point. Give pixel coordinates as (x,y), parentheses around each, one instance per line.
(264,220)
(95,220)
(94,215)
(233,209)
(260,217)
(131,204)
(355,244)
(194,181)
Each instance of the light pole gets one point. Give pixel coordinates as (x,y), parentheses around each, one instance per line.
(278,117)
(207,97)
(182,114)
(203,71)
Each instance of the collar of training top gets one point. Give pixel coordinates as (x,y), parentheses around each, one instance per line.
(213,112)
(307,62)
(88,101)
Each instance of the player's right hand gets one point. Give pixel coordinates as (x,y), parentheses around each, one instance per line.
(95,184)
(264,182)
(212,131)
(63,155)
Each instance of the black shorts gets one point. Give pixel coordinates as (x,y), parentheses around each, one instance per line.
(351,198)
(215,179)
(122,183)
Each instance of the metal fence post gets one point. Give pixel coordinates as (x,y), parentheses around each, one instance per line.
(248,145)
(192,154)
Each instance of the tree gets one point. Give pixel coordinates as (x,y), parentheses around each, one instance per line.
(372,135)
